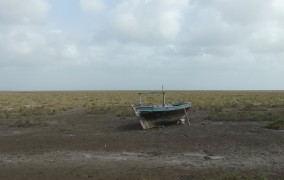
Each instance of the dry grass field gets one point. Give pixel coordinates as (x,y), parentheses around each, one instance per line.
(222,105)
(94,135)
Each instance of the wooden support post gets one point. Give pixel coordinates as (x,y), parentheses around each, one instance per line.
(187,117)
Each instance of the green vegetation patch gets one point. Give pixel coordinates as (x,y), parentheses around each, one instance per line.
(120,111)
(98,110)
(275,118)
(35,121)
(36,110)
(243,116)
(277,124)
(124,112)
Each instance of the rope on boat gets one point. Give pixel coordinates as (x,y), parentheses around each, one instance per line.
(187,117)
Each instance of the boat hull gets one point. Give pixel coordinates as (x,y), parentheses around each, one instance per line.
(156,116)
(164,117)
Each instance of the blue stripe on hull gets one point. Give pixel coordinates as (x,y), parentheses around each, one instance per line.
(166,108)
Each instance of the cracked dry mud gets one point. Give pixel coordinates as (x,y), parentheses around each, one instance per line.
(82,146)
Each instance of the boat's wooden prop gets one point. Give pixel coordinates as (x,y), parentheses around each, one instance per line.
(187,117)
(145,124)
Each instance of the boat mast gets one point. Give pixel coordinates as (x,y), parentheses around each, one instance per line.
(164,96)
(140,100)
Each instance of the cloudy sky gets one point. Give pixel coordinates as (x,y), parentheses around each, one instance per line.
(141,44)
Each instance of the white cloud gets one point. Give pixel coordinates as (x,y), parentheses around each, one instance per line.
(158,20)
(212,44)
(92,5)
(55,31)
(267,39)
(70,51)
(277,7)
(96,53)
(27,11)
(37,46)
(24,42)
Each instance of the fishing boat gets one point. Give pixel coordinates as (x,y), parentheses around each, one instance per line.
(158,115)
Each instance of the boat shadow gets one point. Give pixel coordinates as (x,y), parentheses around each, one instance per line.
(133,126)
(136,126)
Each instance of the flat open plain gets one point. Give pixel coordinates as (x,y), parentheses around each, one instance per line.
(74,144)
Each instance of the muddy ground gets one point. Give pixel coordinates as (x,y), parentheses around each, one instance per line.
(76,145)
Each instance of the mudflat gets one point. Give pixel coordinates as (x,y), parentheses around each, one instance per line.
(77,145)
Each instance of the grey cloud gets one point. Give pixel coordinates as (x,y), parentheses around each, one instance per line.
(27,12)
(238,11)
